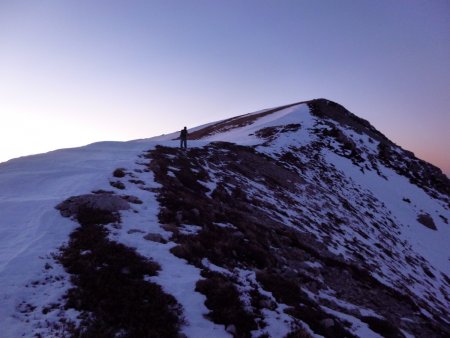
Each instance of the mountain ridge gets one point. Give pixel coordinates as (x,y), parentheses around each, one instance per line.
(300,220)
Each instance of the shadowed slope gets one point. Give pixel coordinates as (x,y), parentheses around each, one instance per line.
(263,227)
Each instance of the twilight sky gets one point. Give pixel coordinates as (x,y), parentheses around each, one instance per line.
(75,72)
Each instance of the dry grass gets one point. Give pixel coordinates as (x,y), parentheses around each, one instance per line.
(235,122)
(110,289)
(223,300)
(383,327)
(258,240)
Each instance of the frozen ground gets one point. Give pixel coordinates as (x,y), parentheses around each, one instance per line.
(32,230)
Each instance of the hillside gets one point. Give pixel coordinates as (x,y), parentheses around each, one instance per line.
(297,221)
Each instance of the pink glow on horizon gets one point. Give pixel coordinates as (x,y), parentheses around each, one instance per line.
(76,72)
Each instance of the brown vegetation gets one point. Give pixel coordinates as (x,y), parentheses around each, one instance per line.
(235,122)
(257,239)
(110,289)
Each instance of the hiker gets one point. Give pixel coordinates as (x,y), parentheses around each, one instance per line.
(183,138)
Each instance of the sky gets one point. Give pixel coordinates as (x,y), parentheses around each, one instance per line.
(77,72)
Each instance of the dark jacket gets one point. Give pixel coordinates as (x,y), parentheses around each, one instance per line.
(183,134)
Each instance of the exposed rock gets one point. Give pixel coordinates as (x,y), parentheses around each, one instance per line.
(134,231)
(270,133)
(258,196)
(327,323)
(284,229)
(117,184)
(101,201)
(426,220)
(231,329)
(119,173)
(132,199)
(179,217)
(155,238)
(234,122)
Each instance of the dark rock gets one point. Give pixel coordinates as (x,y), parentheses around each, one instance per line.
(155,238)
(100,201)
(426,220)
(327,323)
(119,172)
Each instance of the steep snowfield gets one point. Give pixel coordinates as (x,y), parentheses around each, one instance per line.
(391,191)
(32,230)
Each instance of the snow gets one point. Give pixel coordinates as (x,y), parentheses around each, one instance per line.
(432,245)
(32,230)
(189,229)
(225,225)
(278,323)
(345,305)
(212,267)
(406,334)
(360,328)
(245,135)
(177,277)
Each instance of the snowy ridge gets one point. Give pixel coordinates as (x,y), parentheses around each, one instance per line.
(293,221)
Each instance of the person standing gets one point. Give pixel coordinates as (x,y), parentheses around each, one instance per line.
(183,138)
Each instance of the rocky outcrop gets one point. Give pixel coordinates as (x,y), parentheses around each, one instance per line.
(246,206)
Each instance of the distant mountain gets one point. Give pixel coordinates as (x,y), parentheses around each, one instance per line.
(296,221)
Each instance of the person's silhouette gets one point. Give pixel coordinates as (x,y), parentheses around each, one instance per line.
(183,138)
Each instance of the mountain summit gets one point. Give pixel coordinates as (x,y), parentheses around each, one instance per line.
(296,221)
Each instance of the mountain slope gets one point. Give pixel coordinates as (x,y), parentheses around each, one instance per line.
(302,220)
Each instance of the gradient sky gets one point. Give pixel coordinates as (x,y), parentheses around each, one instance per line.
(75,72)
